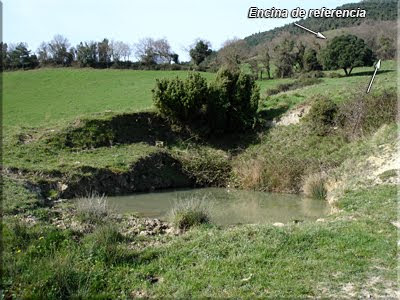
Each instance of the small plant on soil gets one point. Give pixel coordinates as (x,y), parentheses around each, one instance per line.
(93,209)
(105,244)
(189,212)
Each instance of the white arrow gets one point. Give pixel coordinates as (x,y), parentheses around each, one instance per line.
(318,34)
(377,67)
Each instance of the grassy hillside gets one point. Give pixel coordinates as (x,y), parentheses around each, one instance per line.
(336,88)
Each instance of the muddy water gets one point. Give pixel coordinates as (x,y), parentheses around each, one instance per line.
(226,206)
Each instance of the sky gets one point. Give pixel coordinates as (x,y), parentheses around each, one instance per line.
(179,21)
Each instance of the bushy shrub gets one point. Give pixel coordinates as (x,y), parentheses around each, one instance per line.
(311,62)
(322,116)
(179,100)
(206,166)
(364,114)
(286,156)
(190,212)
(228,104)
(360,114)
(233,101)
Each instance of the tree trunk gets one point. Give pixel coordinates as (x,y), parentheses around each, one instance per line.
(351,69)
(345,71)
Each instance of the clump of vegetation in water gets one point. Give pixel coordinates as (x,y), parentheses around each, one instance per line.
(93,209)
(190,212)
(314,187)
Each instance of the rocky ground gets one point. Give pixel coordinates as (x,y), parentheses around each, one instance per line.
(63,215)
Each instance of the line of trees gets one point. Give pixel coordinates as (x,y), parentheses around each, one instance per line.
(284,56)
(149,53)
(291,57)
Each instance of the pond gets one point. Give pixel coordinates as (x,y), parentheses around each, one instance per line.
(226,206)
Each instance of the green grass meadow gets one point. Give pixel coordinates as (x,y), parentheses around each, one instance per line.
(44,97)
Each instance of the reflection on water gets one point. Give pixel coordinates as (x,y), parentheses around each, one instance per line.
(227,206)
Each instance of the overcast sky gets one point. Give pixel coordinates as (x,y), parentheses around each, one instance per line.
(179,21)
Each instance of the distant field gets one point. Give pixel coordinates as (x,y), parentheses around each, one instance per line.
(44,97)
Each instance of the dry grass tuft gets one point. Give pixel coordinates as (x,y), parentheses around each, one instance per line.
(93,209)
(249,173)
(315,186)
(189,212)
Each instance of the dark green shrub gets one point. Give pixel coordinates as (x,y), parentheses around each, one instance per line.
(180,100)
(91,134)
(217,107)
(228,104)
(346,52)
(233,101)
(322,116)
(311,62)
